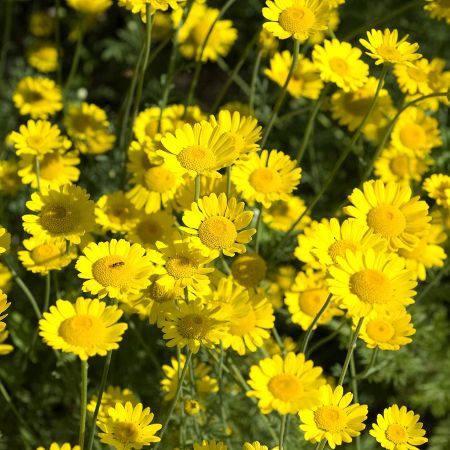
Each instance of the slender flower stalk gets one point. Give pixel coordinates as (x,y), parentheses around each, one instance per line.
(254,81)
(283,421)
(351,347)
(37,168)
(258,228)
(198,186)
(83,402)
(77,54)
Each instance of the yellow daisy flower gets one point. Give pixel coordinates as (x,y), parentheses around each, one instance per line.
(334,418)
(5,349)
(128,427)
(267,42)
(179,115)
(145,125)
(305,81)
(5,278)
(254,446)
(217,223)
(286,384)
(204,383)
(249,270)
(193,324)
(389,211)
(140,6)
(64,212)
(304,246)
(41,24)
(195,29)
(115,268)
(414,79)
(110,397)
(385,47)
(299,19)
(280,281)
(437,186)
(333,24)
(4,305)
(243,131)
(65,446)
(438,9)
(37,138)
(41,257)
(5,240)
(55,169)
(362,282)
(85,328)
(88,127)
(341,64)
(283,213)
(386,330)
(210,445)
(43,56)
(91,7)
(10,182)
(416,131)
(200,149)
(398,429)
(37,97)
(305,298)
(266,177)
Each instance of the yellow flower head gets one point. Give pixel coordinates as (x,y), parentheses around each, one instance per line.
(43,57)
(398,429)
(5,240)
(249,270)
(254,446)
(286,385)
(85,328)
(414,79)
(10,182)
(438,187)
(305,81)
(91,7)
(5,349)
(64,212)
(210,445)
(193,324)
(385,47)
(386,330)
(140,6)
(266,177)
(41,24)
(5,278)
(334,418)
(128,427)
(116,268)
(299,19)
(283,213)
(340,63)
(363,282)
(192,407)
(389,211)
(218,224)
(201,149)
(65,446)
(4,305)
(438,9)
(37,97)
(37,138)
(43,256)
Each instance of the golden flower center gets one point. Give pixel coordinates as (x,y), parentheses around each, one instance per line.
(386,220)
(159,293)
(45,253)
(389,53)
(311,300)
(380,330)
(339,248)
(197,158)
(149,231)
(35,142)
(397,433)
(151,128)
(297,20)
(112,271)
(193,326)
(249,270)
(118,213)
(356,105)
(413,136)
(286,387)
(371,286)
(33,96)
(159,179)
(126,431)
(265,180)
(241,325)
(57,219)
(330,418)
(339,66)
(81,123)
(82,330)
(400,165)
(217,232)
(180,267)
(51,166)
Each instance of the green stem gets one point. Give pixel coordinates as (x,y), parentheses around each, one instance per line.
(233,73)
(310,124)
(355,394)
(223,414)
(283,421)
(278,340)
(351,347)
(101,389)
(37,168)
(391,126)
(6,34)
(282,94)
(258,228)
(58,41)
(76,56)
(313,324)
(198,186)
(255,73)
(433,282)
(369,367)
(326,339)
(83,402)
(321,445)
(289,115)
(229,169)
(198,65)
(47,291)
(175,399)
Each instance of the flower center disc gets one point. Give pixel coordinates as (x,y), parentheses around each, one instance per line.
(380,330)
(386,220)
(82,330)
(126,431)
(197,158)
(217,232)
(111,271)
(159,179)
(371,286)
(396,434)
(330,418)
(389,53)
(339,66)
(81,123)
(296,20)
(400,166)
(339,248)
(249,270)
(286,387)
(413,136)
(35,142)
(193,326)
(311,300)
(45,253)
(57,219)
(51,167)
(149,231)
(265,180)
(180,267)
